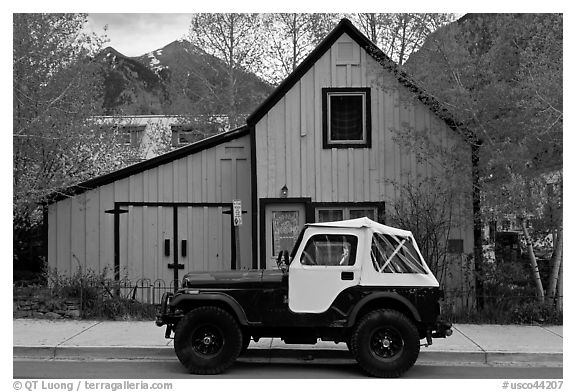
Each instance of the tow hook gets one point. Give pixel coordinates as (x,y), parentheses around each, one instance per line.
(428,339)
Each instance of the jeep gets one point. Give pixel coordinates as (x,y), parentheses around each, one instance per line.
(354,281)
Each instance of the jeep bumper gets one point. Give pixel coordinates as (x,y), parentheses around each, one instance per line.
(166,315)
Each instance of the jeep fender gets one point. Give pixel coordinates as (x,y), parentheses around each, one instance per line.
(378,296)
(180,300)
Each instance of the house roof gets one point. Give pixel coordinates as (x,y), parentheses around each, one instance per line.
(346,27)
(147,164)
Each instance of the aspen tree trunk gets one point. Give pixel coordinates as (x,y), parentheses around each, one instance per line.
(556,262)
(560,291)
(533,263)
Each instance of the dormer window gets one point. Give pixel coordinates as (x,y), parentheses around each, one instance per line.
(346,117)
(130,135)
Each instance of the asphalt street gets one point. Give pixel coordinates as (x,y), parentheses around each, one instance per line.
(172,369)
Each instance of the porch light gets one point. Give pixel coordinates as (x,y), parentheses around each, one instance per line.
(284,192)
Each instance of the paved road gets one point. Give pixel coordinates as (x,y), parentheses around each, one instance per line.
(247,370)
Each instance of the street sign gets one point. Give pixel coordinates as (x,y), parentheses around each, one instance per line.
(237,212)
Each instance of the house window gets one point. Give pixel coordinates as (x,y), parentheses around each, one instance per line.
(336,213)
(129,135)
(183,135)
(346,117)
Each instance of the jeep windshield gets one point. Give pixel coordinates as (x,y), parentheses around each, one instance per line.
(395,254)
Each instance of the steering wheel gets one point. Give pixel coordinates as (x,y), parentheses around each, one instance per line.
(308,259)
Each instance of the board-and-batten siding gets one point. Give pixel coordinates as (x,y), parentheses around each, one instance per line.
(80,233)
(289,138)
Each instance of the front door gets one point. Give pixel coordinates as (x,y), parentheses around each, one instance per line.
(283,224)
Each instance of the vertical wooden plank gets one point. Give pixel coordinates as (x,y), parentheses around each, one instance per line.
(272,159)
(63,255)
(332,67)
(334,182)
(223,264)
(375,150)
(208,260)
(397,128)
(195,182)
(183,234)
(183,179)
(350,168)
(204,180)
(365,63)
(228,189)
(387,161)
(323,157)
(197,239)
(218,155)
(92,230)
(121,193)
(78,231)
(341,79)
(279,129)
(152,181)
(307,173)
(290,118)
(53,236)
(106,199)
(243,171)
(342,174)
(137,244)
(262,151)
(358,175)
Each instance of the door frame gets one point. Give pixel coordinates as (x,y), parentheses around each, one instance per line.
(264,202)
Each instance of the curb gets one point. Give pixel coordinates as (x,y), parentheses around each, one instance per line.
(280,355)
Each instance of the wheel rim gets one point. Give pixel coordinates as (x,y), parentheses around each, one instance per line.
(207,340)
(386,343)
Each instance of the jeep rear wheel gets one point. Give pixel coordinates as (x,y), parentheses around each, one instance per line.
(385,343)
(207,340)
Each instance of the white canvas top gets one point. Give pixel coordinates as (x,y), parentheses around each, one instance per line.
(365,222)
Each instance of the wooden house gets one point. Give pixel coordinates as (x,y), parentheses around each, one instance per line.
(324,146)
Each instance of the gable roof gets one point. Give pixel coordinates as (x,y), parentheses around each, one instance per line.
(346,27)
(147,164)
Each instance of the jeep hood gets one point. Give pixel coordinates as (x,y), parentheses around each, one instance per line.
(232,279)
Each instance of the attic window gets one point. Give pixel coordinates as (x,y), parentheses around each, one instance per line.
(346,117)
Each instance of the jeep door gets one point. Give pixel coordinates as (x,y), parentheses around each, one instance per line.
(326,263)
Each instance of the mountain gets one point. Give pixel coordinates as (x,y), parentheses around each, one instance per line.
(179,78)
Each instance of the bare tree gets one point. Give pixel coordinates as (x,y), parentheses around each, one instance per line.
(399,35)
(234,39)
(291,37)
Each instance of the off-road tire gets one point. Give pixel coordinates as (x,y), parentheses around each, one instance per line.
(207,340)
(385,343)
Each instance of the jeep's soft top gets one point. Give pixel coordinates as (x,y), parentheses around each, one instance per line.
(364,222)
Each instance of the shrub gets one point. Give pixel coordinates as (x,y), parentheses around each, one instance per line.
(98,296)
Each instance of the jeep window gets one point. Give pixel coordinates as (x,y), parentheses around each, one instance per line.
(391,254)
(330,249)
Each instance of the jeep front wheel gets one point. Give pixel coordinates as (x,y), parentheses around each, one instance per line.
(207,340)
(385,343)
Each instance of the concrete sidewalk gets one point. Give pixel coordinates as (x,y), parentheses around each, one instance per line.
(470,344)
